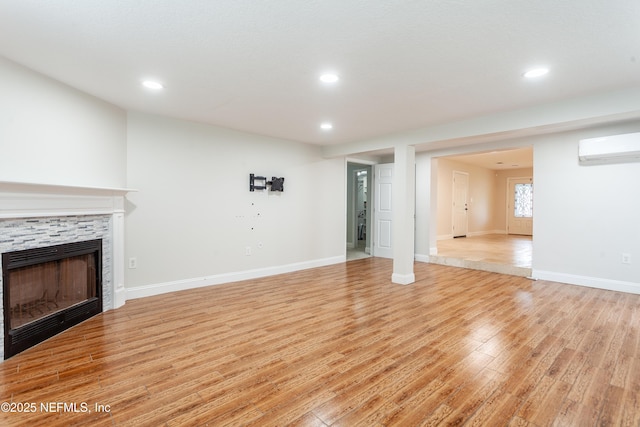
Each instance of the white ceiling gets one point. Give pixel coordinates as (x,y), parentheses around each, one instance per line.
(499,160)
(253,65)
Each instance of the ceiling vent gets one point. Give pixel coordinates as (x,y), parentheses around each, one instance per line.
(610,149)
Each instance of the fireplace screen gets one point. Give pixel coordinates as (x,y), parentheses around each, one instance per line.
(40,290)
(47,290)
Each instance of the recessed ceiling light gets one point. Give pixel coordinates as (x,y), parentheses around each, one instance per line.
(329,78)
(536,72)
(326,126)
(151,84)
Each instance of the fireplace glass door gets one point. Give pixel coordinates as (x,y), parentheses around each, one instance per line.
(49,289)
(43,289)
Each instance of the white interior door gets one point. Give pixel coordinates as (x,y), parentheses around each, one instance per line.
(460,203)
(383,215)
(520,206)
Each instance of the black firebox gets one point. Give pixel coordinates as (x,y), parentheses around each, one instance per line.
(49,289)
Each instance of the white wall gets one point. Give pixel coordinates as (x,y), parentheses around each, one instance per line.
(585,216)
(194,216)
(53,134)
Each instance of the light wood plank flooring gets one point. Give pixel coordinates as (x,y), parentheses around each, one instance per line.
(500,253)
(343,346)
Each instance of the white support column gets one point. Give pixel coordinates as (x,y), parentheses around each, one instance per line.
(404,195)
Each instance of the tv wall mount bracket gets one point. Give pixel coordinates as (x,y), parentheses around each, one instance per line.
(261,183)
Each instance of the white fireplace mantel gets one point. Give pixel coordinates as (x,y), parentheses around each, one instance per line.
(32,200)
(25,200)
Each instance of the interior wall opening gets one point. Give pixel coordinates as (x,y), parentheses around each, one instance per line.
(489,210)
(358,239)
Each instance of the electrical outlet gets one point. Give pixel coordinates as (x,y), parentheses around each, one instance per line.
(133,263)
(626,258)
(247,250)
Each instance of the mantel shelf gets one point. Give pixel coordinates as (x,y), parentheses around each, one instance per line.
(36,188)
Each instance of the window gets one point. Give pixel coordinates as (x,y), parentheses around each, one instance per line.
(523,206)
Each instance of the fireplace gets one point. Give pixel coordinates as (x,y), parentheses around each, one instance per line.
(49,289)
(36,216)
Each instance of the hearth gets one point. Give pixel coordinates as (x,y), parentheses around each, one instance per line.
(49,289)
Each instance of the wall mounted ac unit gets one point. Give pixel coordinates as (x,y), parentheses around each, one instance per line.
(610,149)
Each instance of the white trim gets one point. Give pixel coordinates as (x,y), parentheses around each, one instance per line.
(119,294)
(22,200)
(219,279)
(32,187)
(403,279)
(31,200)
(46,205)
(591,282)
(422,258)
(361,161)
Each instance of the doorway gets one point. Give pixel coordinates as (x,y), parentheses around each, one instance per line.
(460,203)
(520,206)
(486,192)
(358,239)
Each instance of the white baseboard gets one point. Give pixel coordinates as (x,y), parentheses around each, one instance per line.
(218,279)
(421,258)
(591,282)
(403,279)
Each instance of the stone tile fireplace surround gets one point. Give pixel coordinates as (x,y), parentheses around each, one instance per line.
(39,215)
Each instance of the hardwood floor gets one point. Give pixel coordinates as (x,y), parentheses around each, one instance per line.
(500,253)
(496,248)
(343,346)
